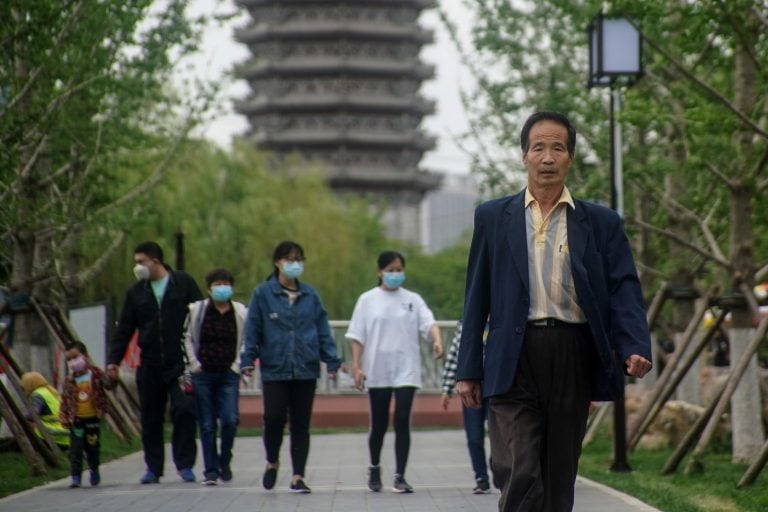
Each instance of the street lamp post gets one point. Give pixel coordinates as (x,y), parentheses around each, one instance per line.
(615,58)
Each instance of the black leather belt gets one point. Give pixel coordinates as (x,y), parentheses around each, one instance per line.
(552,322)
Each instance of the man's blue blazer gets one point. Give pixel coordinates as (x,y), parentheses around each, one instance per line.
(604,276)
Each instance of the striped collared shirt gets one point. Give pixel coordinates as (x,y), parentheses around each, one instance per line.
(552,291)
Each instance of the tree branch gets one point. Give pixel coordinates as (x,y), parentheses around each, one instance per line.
(760,165)
(760,274)
(83,277)
(685,243)
(58,172)
(703,85)
(713,245)
(760,17)
(750,298)
(153,179)
(719,175)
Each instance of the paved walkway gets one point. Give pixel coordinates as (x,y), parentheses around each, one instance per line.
(438,469)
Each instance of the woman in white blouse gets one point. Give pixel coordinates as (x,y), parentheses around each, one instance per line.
(385,329)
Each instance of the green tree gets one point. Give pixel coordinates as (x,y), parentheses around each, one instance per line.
(88,125)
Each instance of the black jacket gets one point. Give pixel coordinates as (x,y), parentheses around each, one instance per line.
(160,328)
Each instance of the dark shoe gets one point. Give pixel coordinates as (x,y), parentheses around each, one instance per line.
(481,487)
(209,481)
(374,478)
(149,478)
(401,486)
(225,474)
(75,483)
(187,475)
(95,477)
(270,476)
(300,487)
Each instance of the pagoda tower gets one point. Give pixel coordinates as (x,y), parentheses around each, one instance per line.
(337,82)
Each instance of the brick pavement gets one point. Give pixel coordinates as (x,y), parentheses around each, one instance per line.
(438,469)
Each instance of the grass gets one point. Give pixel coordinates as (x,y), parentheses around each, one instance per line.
(713,490)
(16,475)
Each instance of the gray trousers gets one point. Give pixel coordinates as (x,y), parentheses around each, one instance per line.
(537,427)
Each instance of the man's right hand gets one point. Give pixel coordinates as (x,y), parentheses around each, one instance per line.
(471,393)
(113,372)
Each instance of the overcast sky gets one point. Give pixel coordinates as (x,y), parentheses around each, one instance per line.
(220,52)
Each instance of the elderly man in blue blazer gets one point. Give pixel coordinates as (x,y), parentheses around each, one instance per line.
(555,277)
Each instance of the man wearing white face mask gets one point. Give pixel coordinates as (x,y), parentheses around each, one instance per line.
(212,343)
(156,307)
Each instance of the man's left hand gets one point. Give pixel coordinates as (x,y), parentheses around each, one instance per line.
(637,366)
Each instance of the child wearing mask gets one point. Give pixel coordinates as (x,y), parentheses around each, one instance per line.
(84,402)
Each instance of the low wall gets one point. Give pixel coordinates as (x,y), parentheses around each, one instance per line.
(351,410)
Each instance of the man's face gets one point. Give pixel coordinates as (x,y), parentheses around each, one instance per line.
(547,159)
(152,264)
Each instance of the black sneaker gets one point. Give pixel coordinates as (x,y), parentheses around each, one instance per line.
(400,486)
(225,474)
(270,476)
(481,487)
(374,478)
(300,487)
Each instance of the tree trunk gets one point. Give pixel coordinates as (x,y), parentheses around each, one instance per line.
(745,405)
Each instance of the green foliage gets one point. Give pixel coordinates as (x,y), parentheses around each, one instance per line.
(15,474)
(439,278)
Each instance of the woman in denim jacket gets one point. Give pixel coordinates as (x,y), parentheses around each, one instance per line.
(287,330)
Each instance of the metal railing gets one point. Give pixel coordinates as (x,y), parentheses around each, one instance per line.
(431,370)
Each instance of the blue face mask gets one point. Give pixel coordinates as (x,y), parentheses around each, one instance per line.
(393,280)
(221,293)
(293,269)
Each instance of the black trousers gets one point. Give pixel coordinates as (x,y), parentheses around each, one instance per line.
(537,427)
(84,437)
(379,401)
(284,399)
(154,391)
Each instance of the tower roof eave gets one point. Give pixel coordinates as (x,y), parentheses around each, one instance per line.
(334,103)
(334,66)
(419,4)
(334,138)
(332,30)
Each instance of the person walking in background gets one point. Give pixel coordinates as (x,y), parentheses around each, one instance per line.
(212,344)
(46,402)
(474,419)
(385,329)
(156,306)
(83,404)
(557,278)
(287,329)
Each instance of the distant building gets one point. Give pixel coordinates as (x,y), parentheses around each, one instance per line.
(338,83)
(448,212)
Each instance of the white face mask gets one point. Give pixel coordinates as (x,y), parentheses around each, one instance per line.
(141,272)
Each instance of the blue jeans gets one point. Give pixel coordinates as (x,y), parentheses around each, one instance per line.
(216,397)
(474,426)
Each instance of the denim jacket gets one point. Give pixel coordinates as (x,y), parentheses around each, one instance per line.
(289,340)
